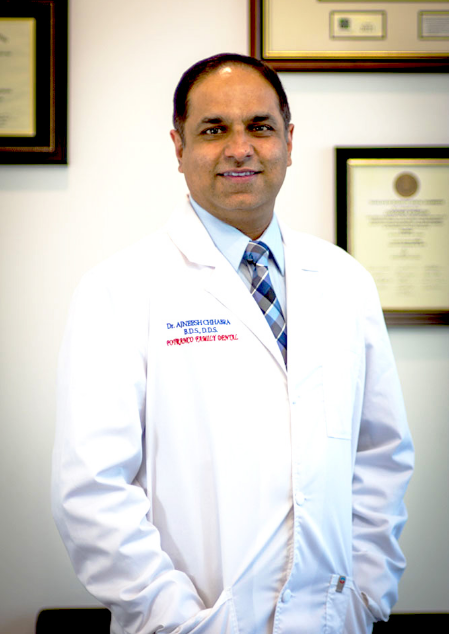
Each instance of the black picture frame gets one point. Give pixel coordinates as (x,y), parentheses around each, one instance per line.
(340,61)
(410,155)
(49,144)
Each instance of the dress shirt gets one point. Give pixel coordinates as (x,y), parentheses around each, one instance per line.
(232,244)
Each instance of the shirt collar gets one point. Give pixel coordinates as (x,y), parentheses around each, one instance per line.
(232,243)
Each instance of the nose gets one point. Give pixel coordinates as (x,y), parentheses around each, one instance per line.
(239,146)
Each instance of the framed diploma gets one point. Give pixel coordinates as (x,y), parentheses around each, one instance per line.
(392,208)
(33,81)
(358,35)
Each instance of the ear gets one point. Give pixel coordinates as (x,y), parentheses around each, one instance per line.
(179,147)
(291,127)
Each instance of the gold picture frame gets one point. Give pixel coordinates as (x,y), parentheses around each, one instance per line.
(314,35)
(392,215)
(33,81)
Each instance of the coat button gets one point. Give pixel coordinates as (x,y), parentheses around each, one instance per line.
(299,498)
(287,595)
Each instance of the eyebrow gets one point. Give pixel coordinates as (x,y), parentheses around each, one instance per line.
(211,120)
(215,120)
(262,117)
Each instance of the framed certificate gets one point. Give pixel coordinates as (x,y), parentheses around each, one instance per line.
(33,81)
(392,207)
(312,35)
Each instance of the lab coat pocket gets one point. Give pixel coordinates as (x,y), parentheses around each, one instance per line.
(359,617)
(220,619)
(340,376)
(337,604)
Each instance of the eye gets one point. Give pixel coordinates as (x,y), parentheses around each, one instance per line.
(214,131)
(261,127)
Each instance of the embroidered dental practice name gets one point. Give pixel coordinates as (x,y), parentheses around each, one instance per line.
(199,331)
(200,339)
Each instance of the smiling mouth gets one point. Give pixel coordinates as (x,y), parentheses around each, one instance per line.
(242,174)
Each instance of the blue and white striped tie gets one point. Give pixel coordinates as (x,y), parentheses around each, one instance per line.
(263,292)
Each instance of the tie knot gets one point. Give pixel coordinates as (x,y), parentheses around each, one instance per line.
(256,252)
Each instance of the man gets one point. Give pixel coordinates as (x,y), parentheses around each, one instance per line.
(232,451)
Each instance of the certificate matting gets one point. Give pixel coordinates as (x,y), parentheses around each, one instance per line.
(33,81)
(17,77)
(297,35)
(393,217)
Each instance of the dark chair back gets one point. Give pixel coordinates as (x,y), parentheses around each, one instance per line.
(399,623)
(82,620)
(98,621)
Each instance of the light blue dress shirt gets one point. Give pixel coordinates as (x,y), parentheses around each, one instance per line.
(232,244)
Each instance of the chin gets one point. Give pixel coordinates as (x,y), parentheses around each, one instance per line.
(241,202)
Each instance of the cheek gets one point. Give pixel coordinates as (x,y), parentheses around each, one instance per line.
(277,166)
(197,173)
(284,160)
(198,164)
(276,157)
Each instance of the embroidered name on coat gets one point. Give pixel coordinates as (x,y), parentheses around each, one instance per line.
(199,331)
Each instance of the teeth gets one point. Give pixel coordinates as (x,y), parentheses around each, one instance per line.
(239,173)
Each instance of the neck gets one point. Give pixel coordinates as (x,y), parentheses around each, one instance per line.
(251,222)
(248,224)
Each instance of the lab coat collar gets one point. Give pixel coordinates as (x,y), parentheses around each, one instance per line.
(191,237)
(219,278)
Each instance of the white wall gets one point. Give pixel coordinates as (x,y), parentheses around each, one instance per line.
(56,222)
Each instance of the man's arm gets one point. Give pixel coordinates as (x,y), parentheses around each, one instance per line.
(383,466)
(99,501)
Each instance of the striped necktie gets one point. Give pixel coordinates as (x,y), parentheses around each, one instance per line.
(263,292)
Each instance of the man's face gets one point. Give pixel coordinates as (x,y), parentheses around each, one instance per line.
(236,149)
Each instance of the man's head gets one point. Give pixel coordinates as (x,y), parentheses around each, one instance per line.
(233,139)
(204,67)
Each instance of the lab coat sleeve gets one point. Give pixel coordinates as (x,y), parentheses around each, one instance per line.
(383,466)
(99,503)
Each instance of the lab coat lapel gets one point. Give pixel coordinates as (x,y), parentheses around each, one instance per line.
(228,288)
(219,278)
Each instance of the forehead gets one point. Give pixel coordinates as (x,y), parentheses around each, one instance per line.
(232,89)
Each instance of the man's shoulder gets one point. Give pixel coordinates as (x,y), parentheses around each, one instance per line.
(150,260)
(318,254)
(129,272)
(133,257)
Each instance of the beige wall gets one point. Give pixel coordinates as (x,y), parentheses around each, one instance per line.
(56,222)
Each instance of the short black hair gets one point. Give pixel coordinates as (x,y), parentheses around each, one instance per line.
(205,67)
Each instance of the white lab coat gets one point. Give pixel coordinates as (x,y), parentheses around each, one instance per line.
(195,481)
